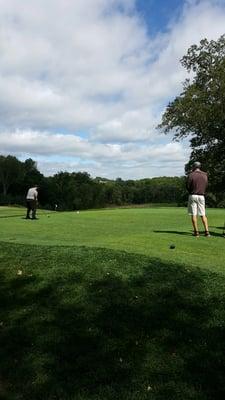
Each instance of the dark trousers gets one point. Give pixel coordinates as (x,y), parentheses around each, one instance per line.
(31,206)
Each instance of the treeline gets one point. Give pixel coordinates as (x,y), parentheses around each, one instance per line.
(78,190)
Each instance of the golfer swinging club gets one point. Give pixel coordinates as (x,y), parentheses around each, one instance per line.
(32,201)
(196,184)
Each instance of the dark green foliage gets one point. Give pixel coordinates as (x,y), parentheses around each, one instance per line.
(78,191)
(81,323)
(11,174)
(15,179)
(199,111)
(32,175)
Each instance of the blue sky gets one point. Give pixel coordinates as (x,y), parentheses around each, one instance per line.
(84,83)
(159,14)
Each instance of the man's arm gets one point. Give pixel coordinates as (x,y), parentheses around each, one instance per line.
(206,180)
(36,195)
(188,183)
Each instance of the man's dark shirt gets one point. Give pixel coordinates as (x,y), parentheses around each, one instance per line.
(197,182)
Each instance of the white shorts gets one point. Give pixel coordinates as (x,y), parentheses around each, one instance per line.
(196,205)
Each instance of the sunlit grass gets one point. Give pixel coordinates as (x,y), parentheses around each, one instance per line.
(143,231)
(96,306)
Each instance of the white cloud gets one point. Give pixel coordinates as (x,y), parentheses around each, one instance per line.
(133,125)
(105,159)
(43,143)
(90,66)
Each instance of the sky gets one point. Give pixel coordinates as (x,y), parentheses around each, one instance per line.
(84,83)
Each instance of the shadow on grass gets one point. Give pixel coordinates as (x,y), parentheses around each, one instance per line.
(156,334)
(175,232)
(11,216)
(222,228)
(215,234)
(191,234)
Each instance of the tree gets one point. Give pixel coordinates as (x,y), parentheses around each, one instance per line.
(32,175)
(11,173)
(199,111)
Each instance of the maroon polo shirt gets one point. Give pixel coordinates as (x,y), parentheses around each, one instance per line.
(197,182)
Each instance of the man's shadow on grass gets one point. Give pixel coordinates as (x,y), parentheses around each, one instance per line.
(12,216)
(159,331)
(222,228)
(174,232)
(215,234)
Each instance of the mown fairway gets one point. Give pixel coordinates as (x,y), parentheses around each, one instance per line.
(96,305)
(146,231)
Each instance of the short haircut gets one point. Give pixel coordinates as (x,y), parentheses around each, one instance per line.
(196,165)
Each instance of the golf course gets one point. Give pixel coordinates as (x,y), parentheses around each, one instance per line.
(111,304)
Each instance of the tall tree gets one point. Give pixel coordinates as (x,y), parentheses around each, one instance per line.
(199,111)
(32,175)
(11,172)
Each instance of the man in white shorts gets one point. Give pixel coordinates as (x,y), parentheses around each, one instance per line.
(32,201)
(196,184)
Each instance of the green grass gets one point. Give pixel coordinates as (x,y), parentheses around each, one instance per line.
(95,306)
(145,231)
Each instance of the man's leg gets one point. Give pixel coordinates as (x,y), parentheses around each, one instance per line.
(205,223)
(28,210)
(33,213)
(34,209)
(201,210)
(195,224)
(192,211)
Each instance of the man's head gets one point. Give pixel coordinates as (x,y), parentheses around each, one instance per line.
(196,165)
